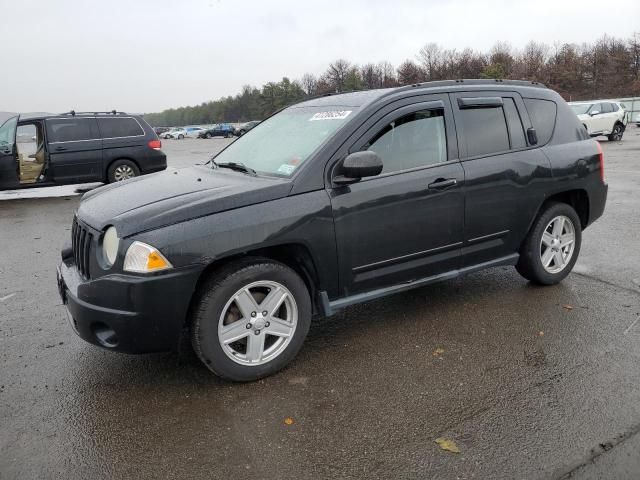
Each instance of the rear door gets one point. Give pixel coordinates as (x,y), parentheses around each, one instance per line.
(8,160)
(502,173)
(75,149)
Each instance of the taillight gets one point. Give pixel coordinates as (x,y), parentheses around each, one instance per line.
(155,144)
(601,158)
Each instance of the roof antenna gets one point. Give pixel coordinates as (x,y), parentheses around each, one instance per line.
(113,111)
(73,113)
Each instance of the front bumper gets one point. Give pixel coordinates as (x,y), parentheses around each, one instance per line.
(128,313)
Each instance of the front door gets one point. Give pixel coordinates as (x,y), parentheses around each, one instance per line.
(406,223)
(8,161)
(75,150)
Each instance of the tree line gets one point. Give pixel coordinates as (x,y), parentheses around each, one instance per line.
(606,68)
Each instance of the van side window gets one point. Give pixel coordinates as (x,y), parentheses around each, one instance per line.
(119,127)
(71,129)
(543,117)
(485,130)
(514,122)
(414,140)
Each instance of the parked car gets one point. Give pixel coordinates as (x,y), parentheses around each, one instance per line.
(221,130)
(77,148)
(332,202)
(601,118)
(194,132)
(246,127)
(161,130)
(177,133)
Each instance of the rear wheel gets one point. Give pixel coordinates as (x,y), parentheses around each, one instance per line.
(551,249)
(208,135)
(250,319)
(180,137)
(122,170)
(616,133)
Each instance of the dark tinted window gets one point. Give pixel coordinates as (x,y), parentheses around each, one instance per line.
(516,131)
(543,117)
(71,129)
(414,140)
(119,127)
(484,130)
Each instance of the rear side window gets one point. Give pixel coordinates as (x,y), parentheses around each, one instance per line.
(516,131)
(414,140)
(119,127)
(543,117)
(71,129)
(615,107)
(485,130)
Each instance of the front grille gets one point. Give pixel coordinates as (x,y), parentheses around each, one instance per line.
(81,240)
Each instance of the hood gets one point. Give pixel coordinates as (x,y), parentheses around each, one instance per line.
(169,197)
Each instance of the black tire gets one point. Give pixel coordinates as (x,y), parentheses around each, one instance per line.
(241,132)
(530,263)
(180,137)
(227,135)
(616,133)
(208,135)
(112,173)
(211,299)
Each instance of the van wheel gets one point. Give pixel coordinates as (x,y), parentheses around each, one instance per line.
(122,170)
(250,319)
(616,134)
(551,249)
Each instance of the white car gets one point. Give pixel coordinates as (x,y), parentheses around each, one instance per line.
(178,133)
(193,132)
(601,117)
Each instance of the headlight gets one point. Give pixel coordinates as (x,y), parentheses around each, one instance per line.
(143,258)
(110,243)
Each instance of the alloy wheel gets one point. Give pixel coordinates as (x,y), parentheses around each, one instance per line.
(257,323)
(123,172)
(557,244)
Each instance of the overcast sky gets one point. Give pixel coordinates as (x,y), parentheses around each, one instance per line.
(148,55)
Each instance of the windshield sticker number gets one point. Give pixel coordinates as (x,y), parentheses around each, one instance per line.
(286,169)
(333,115)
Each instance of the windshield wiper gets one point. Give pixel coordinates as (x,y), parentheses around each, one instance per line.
(239,167)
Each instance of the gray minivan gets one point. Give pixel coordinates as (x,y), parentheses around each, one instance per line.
(46,149)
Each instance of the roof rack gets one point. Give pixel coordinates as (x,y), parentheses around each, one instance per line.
(477,81)
(73,113)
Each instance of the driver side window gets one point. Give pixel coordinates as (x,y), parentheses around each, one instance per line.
(414,140)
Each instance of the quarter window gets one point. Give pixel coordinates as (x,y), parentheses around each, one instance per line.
(119,127)
(414,140)
(484,130)
(71,129)
(543,117)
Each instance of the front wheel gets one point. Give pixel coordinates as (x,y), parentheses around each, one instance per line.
(551,249)
(616,134)
(208,135)
(180,137)
(251,319)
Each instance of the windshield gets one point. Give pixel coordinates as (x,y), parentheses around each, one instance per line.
(281,144)
(580,108)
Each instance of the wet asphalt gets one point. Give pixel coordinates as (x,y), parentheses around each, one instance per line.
(528,382)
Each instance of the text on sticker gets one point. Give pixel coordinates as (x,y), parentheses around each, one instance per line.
(333,115)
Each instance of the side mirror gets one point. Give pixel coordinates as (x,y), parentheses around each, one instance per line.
(532,136)
(594,112)
(358,165)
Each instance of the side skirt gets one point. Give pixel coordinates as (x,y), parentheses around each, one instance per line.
(328,307)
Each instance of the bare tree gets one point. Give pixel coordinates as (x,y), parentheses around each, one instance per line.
(337,73)
(387,74)
(309,83)
(409,72)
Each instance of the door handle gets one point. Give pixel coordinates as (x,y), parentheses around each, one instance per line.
(60,149)
(442,183)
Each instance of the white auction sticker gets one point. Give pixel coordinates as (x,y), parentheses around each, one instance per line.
(333,115)
(286,169)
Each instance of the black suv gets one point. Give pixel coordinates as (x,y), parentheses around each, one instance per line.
(40,149)
(334,201)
